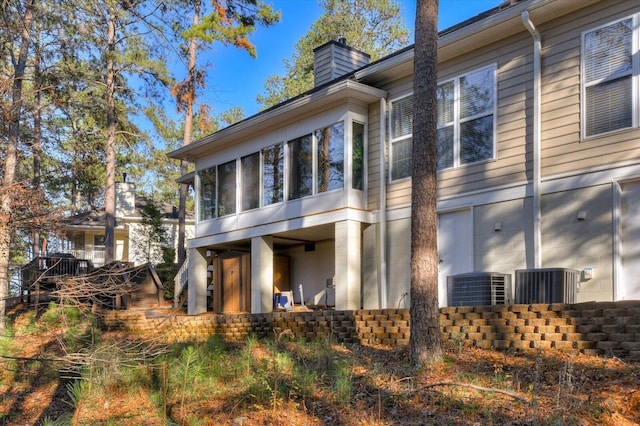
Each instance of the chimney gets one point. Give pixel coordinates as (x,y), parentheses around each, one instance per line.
(335,59)
(125,199)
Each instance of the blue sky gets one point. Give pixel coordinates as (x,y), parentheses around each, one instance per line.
(235,79)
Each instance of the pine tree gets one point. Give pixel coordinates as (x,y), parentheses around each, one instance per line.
(230,23)
(425,344)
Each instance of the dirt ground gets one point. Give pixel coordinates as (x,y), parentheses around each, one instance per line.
(469,386)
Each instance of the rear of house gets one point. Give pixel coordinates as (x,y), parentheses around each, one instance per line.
(537,126)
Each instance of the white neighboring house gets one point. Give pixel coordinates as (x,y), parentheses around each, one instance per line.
(538,130)
(83,234)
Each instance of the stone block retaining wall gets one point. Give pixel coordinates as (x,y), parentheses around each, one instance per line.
(598,328)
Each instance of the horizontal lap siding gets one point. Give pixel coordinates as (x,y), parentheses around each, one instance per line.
(562,149)
(514,65)
(373,157)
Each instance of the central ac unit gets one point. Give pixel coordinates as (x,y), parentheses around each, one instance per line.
(547,285)
(479,289)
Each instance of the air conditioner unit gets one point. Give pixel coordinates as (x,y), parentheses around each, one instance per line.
(478,289)
(547,285)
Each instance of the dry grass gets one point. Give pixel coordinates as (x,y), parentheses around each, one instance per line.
(284,382)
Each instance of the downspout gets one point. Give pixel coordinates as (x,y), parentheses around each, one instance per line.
(382,215)
(537,60)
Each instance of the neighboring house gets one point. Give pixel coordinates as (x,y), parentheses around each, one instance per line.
(83,233)
(539,157)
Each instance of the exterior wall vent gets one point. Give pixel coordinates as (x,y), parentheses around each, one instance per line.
(335,59)
(547,285)
(479,289)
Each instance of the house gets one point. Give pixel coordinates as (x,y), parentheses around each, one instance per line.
(538,130)
(83,233)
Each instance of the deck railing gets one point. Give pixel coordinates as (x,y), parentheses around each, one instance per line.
(95,256)
(43,269)
(180,281)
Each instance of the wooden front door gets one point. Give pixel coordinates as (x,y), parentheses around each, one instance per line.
(232,282)
(231,279)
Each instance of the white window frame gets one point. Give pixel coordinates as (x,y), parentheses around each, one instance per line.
(398,139)
(634,74)
(458,121)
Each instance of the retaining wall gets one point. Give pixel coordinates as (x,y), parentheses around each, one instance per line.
(597,328)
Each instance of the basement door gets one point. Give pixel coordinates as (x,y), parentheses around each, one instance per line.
(629,288)
(231,284)
(455,248)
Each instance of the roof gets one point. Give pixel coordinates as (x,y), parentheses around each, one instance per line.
(97,217)
(492,25)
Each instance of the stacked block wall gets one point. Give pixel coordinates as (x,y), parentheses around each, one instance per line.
(602,328)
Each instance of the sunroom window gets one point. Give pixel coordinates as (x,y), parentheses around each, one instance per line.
(250,181)
(357,156)
(608,72)
(300,167)
(207,182)
(227,188)
(330,157)
(272,174)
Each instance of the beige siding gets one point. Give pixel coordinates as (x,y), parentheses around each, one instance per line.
(514,65)
(569,243)
(562,149)
(503,251)
(373,157)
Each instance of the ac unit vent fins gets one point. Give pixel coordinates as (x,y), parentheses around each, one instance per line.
(546,285)
(479,289)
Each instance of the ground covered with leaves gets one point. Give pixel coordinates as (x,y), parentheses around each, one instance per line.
(58,368)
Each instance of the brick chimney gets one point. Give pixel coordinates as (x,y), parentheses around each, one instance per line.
(335,59)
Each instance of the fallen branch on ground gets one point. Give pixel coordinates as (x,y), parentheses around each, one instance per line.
(476,387)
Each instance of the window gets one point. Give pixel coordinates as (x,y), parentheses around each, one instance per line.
(608,73)
(227,188)
(401,137)
(330,157)
(207,179)
(357,154)
(466,119)
(272,174)
(300,167)
(250,181)
(466,123)
(99,242)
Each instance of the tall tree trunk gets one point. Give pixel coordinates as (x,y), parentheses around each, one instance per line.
(110,193)
(425,343)
(37,146)
(11,157)
(186,140)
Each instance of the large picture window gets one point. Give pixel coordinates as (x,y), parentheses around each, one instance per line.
(272,174)
(300,167)
(330,157)
(608,71)
(207,179)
